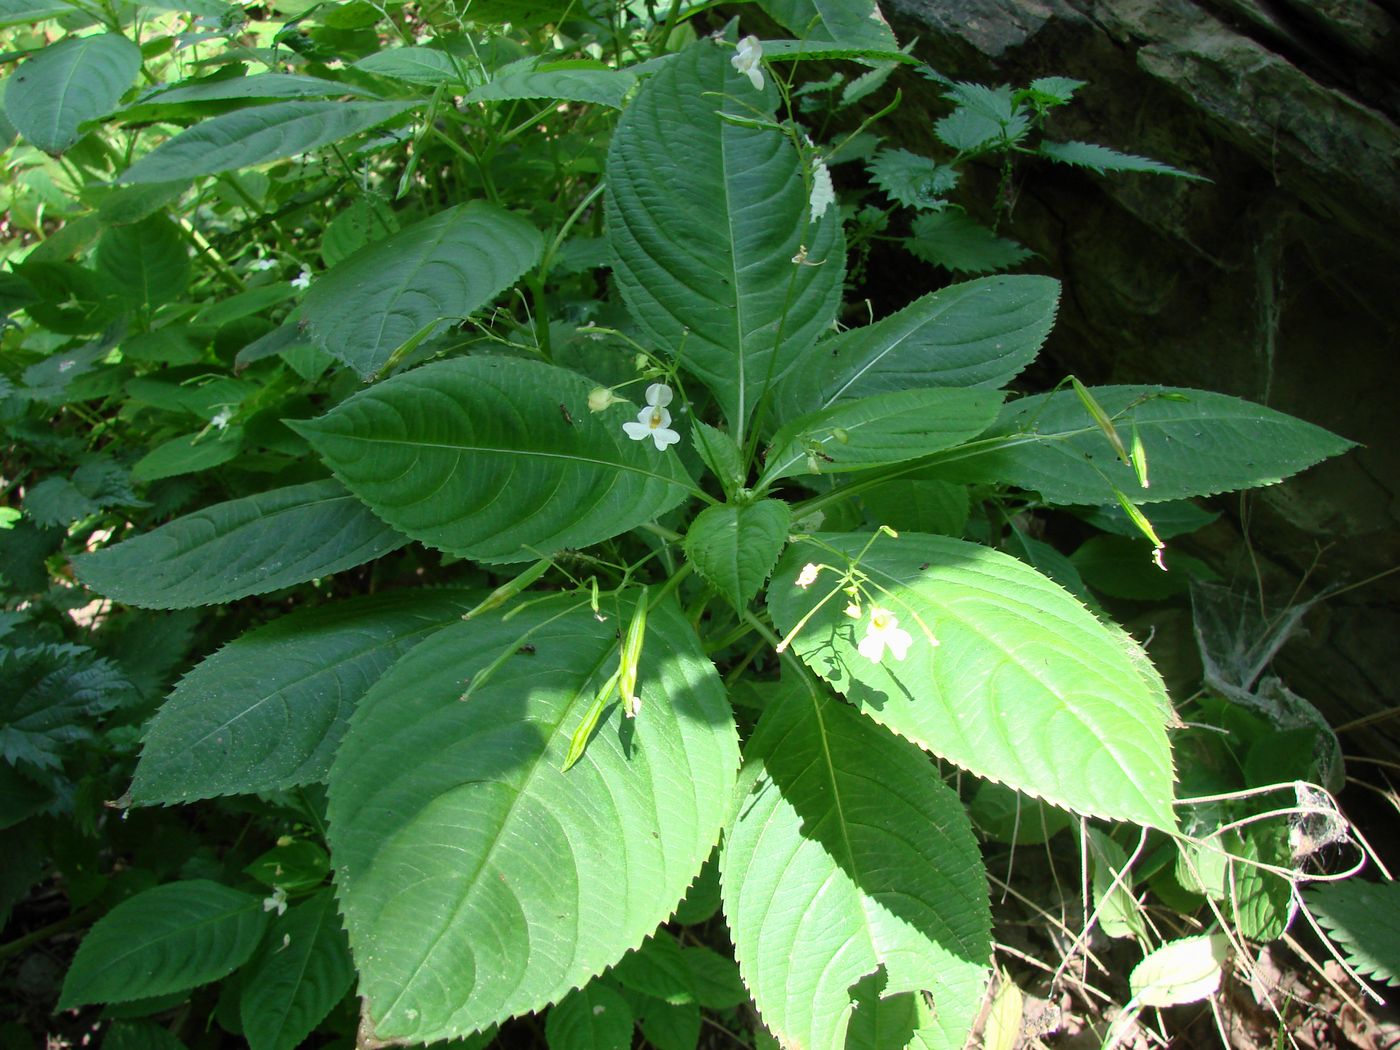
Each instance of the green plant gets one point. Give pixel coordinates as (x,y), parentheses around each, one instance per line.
(717,681)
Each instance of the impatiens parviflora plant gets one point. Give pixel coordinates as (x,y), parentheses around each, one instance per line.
(712,648)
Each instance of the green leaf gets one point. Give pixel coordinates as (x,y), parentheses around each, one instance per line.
(243,304)
(418,65)
(1185,970)
(1198,443)
(140,1035)
(166,939)
(20,12)
(850,859)
(188,454)
(20,797)
(67,84)
(911,180)
(1102,159)
(847,22)
(474,456)
(439,270)
(128,204)
(258,86)
(979,333)
(1025,686)
(720,454)
(968,131)
(919,506)
(672,1026)
(658,969)
(1059,90)
(57,501)
(51,697)
(571,82)
(735,546)
(255,136)
(879,430)
(1178,518)
(246,546)
(1008,816)
(146,262)
(955,242)
(303,970)
(267,711)
(479,881)
(1125,568)
(1364,919)
(715,978)
(800,50)
(365,221)
(593,1018)
(704,217)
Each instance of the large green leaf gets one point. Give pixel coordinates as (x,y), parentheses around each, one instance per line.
(570,81)
(704,218)
(245,546)
(1197,443)
(851,864)
(593,1018)
(258,135)
(879,430)
(848,22)
(146,262)
(166,939)
(418,65)
(489,457)
(267,711)
(976,334)
(1024,686)
(258,86)
(302,971)
(66,84)
(1364,919)
(735,546)
(478,880)
(438,270)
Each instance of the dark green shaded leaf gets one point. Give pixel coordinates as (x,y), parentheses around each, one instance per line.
(955,242)
(1364,919)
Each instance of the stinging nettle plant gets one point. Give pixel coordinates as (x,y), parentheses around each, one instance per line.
(698,642)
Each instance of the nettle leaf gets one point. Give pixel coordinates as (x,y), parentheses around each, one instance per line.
(911,180)
(880,430)
(593,1018)
(704,217)
(303,970)
(267,711)
(255,136)
(1102,159)
(245,546)
(146,262)
(851,876)
(848,22)
(955,242)
(439,270)
(1025,686)
(166,939)
(474,456)
(51,95)
(1197,443)
(735,546)
(479,881)
(980,333)
(50,698)
(1364,919)
(569,81)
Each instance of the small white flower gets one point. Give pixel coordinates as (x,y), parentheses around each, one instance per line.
(883,630)
(652,422)
(747,60)
(823,193)
(302,280)
(659,395)
(807,576)
(259,265)
(277,902)
(221,420)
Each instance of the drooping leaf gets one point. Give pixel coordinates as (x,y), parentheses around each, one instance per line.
(439,270)
(911,180)
(1025,686)
(68,83)
(245,546)
(952,240)
(303,970)
(848,22)
(879,430)
(1102,159)
(255,136)
(166,939)
(570,82)
(268,710)
(1198,443)
(474,456)
(979,333)
(51,696)
(480,881)
(1364,919)
(146,262)
(593,1018)
(850,859)
(735,546)
(189,454)
(704,217)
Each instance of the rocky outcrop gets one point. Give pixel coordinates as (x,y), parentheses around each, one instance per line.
(1278,281)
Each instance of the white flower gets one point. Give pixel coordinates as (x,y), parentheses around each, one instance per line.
(277,902)
(883,630)
(659,395)
(807,576)
(221,420)
(302,280)
(259,265)
(747,61)
(652,422)
(823,193)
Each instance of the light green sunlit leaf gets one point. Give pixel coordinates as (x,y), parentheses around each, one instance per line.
(52,94)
